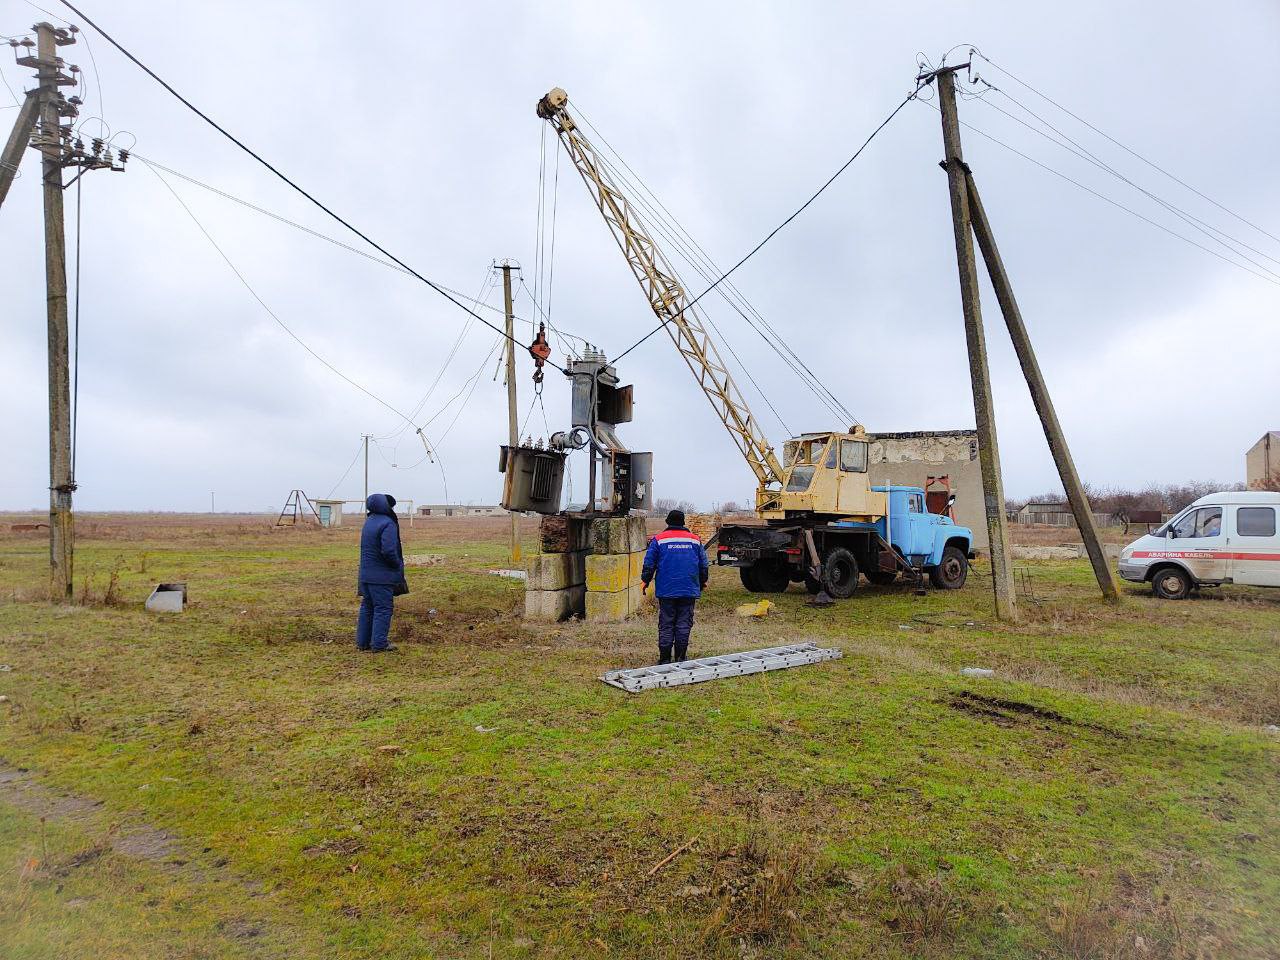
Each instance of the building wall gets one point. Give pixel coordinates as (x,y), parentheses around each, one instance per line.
(1262,463)
(910,458)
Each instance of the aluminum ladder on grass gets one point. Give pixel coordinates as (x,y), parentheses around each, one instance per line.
(714,668)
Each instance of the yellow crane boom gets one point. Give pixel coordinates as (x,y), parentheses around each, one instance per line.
(666,296)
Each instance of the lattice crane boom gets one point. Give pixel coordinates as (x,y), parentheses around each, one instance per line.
(666,296)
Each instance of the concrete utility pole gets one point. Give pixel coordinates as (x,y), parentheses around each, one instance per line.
(366,466)
(1040,394)
(979,371)
(61,482)
(59,147)
(19,139)
(513,427)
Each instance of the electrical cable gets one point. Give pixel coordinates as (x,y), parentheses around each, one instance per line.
(272,314)
(1114,203)
(1128,150)
(656,224)
(75,351)
(258,157)
(474,383)
(774,232)
(485,286)
(297,226)
(703,264)
(1077,150)
(359,447)
(637,206)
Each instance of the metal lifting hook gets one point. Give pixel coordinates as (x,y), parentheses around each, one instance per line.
(540,350)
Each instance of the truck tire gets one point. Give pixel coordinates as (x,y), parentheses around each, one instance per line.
(840,573)
(748,576)
(952,570)
(1171,583)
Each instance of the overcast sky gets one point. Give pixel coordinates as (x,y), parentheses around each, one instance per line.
(417,122)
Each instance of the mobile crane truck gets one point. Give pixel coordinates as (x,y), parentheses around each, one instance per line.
(824,523)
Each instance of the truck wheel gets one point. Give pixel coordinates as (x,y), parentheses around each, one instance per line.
(840,573)
(1171,583)
(952,571)
(748,575)
(771,577)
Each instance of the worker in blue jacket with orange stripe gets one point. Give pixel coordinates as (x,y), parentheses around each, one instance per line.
(677,559)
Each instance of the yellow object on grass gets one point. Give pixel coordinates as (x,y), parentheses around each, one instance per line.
(758,609)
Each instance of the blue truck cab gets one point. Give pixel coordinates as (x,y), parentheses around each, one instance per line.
(773,555)
(920,537)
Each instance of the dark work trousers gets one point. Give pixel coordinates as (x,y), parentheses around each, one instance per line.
(376,602)
(675,620)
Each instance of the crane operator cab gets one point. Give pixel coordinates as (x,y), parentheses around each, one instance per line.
(824,473)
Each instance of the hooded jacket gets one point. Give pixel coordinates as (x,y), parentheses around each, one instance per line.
(381,557)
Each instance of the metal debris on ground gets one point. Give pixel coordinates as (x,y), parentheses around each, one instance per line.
(509,574)
(718,667)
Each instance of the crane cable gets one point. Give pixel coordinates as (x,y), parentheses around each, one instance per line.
(774,232)
(706,268)
(292,184)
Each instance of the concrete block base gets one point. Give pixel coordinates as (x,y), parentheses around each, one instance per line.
(556,571)
(555,605)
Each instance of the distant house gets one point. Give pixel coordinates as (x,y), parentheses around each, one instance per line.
(1053,514)
(1262,463)
(460,510)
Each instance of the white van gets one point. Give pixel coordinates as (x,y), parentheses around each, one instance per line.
(1222,538)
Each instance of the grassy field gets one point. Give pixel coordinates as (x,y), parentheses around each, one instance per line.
(236,781)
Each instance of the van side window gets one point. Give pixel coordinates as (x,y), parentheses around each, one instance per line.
(1256,522)
(1205,522)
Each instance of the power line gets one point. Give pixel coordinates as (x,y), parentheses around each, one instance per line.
(297,226)
(1114,203)
(706,268)
(262,303)
(774,232)
(1077,150)
(1128,150)
(359,447)
(75,352)
(258,157)
(674,234)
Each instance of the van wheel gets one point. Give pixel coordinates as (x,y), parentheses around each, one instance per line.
(1171,583)
(840,573)
(952,570)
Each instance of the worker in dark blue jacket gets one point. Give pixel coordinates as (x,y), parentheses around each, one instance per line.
(381,573)
(679,562)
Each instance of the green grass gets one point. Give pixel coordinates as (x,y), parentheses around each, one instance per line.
(873,805)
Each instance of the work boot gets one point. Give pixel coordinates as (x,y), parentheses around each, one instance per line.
(664,655)
(389,648)
(682,654)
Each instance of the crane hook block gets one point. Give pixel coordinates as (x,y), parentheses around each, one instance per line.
(540,350)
